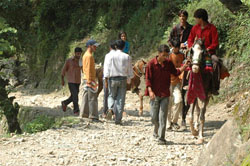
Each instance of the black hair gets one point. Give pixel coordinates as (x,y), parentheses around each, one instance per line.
(163,48)
(201,13)
(78,49)
(184,12)
(120,34)
(112,44)
(120,44)
(175,43)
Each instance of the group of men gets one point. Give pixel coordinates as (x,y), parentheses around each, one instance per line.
(163,83)
(163,75)
(117,73)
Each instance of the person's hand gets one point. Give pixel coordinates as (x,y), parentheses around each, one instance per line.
(183,45)
(151,95)
(187,63)
(62,82)
(207,50)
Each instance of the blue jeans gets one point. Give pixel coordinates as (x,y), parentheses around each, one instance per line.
(159,112)
(105,98)
(117,93)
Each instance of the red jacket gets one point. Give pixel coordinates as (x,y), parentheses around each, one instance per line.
(209,32)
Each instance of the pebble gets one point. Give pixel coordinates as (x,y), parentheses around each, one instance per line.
(95,144)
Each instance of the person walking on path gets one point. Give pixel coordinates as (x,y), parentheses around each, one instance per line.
(72,70)
(158,72)
(175,99)
(117,72)
(112,48)
(89,105)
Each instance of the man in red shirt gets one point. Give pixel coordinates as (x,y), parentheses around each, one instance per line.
(158,72)
(205,30)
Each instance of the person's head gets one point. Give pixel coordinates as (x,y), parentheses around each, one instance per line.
(120,44)
(91,45)
(78,52)
(183,16)
(163,52)
(112,45)
(122,35)
(175,45)
(200,16)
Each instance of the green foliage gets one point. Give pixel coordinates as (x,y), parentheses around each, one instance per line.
(6,37)
(40,123)
(246,161)
(7,109)
(238,43)
(49,30)
(66,121)
(243,119)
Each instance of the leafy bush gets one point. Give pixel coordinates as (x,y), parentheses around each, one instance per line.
(40,123)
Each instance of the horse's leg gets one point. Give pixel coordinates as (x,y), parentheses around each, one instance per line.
(185,109)
(141,105)
(196,125)
(191,120)
(202,121)
(186,106)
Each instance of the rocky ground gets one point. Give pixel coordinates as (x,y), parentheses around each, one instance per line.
(103,143)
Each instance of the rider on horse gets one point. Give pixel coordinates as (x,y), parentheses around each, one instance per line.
(181,31)
(207,31)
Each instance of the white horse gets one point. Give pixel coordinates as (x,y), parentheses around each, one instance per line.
(199,89)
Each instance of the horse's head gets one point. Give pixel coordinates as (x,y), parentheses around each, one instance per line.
(139,68)
(197,52)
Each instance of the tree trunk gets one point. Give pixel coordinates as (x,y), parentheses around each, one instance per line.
(234,5)
(10,111)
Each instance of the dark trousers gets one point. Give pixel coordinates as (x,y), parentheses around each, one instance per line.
(74,90)
(216,73)
(105,98)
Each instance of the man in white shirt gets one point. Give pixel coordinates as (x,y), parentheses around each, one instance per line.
(117,72)
(112,48)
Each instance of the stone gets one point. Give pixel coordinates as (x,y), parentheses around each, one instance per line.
(222,146)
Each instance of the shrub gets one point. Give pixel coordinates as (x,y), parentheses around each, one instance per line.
(40,123)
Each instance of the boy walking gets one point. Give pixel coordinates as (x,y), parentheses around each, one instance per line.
(175,99)
(158,73)
(72,70)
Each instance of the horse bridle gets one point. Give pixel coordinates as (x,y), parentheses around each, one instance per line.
(199,59)
(140,73)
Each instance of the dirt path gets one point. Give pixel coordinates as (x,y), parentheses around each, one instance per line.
(104,143)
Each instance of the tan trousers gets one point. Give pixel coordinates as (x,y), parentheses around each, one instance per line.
(175,104)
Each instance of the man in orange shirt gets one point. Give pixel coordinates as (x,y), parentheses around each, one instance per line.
(72,70)
(175,100)
(89,107)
